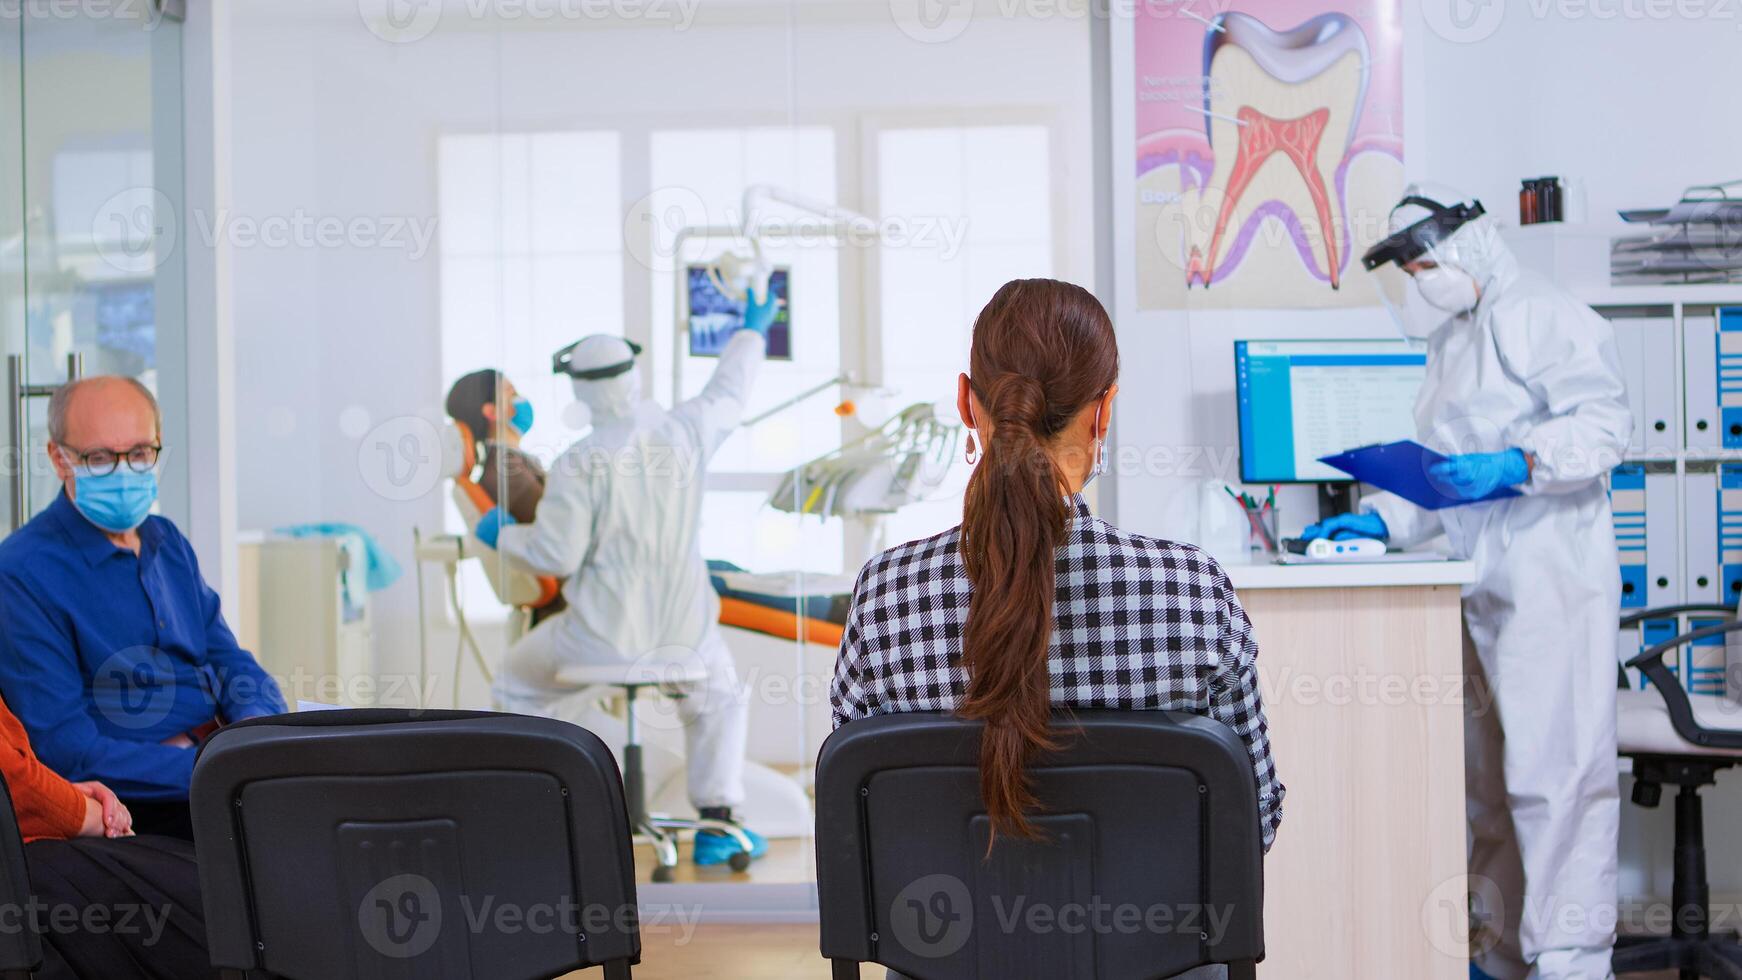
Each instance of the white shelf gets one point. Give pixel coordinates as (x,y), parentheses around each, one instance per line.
(1701,295)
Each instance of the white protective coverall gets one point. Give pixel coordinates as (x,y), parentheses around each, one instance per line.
(1531,367)
(619,519)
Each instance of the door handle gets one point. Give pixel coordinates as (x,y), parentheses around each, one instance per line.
(19,394)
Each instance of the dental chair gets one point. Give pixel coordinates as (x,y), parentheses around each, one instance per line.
(1684,740)
(516,588)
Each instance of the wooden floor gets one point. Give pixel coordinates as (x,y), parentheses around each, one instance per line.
(788,862)
(760,952)
(764,952)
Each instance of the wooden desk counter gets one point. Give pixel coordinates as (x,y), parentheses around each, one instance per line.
(1361,669)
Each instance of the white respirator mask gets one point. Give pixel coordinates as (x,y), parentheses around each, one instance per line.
(1448,289)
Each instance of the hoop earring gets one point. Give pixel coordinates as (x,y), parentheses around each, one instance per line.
(971,452)
(1100,446)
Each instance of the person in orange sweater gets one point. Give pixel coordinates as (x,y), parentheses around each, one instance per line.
(109,904)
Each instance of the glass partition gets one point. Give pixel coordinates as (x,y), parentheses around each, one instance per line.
(499,185)
(91,269)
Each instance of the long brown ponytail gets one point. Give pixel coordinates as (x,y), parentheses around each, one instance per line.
(1042,351)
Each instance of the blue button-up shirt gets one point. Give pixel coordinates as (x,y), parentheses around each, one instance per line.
(104,653)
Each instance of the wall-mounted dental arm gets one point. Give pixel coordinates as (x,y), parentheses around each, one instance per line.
(839,379)
(837,218)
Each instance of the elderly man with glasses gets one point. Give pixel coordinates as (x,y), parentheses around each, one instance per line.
(113,651)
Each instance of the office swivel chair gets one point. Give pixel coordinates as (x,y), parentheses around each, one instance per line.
(1683,740)
(1155,812)
(661,830)
(393,845)
(20,948)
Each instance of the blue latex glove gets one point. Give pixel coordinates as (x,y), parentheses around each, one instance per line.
(491,524)
(1473,476)
(760,316)
(1345,526)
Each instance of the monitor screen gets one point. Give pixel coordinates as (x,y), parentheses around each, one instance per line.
(1302,399)
(714,317)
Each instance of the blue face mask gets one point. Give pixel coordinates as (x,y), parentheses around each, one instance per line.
(521,420)
(117,502)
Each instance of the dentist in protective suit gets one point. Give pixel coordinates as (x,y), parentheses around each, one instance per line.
(619,520)
(1524,390)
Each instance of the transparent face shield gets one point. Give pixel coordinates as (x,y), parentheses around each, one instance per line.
(1415,317)
(1419,281)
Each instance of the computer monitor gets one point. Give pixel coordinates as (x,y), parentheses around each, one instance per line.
(714,317)
(1303,399)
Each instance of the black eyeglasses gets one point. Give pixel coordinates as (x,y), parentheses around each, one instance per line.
(102,462)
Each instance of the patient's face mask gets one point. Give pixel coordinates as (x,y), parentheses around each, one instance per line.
(1449,289)
(521,420)
(117,502)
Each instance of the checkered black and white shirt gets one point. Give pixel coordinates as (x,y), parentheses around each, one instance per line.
(1141,624)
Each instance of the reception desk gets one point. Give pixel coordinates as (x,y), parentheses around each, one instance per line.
(1361,669)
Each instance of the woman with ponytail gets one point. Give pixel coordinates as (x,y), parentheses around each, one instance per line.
(1032,603)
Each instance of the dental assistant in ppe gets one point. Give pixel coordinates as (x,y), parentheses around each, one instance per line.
(619,521)
(1523,390)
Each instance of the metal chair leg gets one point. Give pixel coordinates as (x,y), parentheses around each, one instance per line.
(617,970)
(844,970)
(1245,970)
(664,850)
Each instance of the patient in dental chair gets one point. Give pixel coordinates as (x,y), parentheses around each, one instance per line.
(497,416)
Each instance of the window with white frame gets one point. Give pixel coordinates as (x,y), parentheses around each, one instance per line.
(974,207)
(531,259)
(699,178)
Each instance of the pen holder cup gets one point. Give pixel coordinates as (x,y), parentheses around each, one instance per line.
(1263,539)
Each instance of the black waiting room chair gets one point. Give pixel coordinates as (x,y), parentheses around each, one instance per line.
(1151,862)
(1683,740)
(392,845)
(20,943)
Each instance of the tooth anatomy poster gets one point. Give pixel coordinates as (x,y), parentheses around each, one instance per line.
(1269,150)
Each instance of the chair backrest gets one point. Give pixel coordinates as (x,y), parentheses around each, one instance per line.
(1733,659)
(1152,862)
(20,944)
(413,844)
(513,586)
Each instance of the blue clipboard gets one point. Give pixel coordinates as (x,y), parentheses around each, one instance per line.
(1402,468)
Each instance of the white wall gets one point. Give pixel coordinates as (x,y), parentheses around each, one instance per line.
(1633,106)
(330,120)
